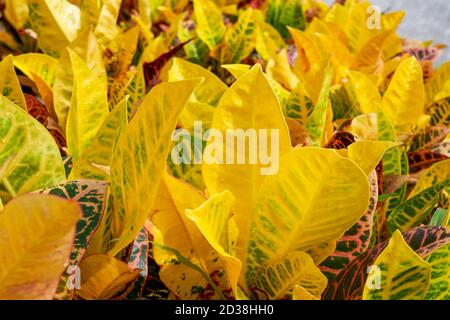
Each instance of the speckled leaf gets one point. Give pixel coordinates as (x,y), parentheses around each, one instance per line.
(308,178)
(37,64)
(9,84)
(350,282)
(139,260)
(428,138)
(90,196)
(210,27)
(440,274)
(403,275)
(240,38)
(281,14)
(88,110)
(439,112)
(413,211)
(138,163)
(275,280)
(56,23)
(29,157)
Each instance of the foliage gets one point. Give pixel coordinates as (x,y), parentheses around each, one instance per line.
(93,93)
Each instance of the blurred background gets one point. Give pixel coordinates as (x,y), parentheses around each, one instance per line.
(425,20)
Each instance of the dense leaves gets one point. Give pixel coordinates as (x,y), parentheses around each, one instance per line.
(221,149)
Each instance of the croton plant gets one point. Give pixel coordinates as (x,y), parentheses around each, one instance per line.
(93,205)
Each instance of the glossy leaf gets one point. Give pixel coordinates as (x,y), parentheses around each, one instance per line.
(239,108)
(284,218)
(404,99)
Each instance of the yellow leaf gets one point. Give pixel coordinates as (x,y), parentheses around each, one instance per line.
(29,157)
(103,145)
(9,84)
(138,164)
(210,27)
(104,277)
(305,42)
(434,175)
(367,154)
(370,55)
(276,279)
(240,108)
(195,237)
(437,82)
(209,91)
(237,70)
(300,293)
(404,100)
(279,69)
(88,109)
(36,64)
(56,23)
(316,196)
(367,95)
(107,29)
(16,12)
(398,273)
(37,236)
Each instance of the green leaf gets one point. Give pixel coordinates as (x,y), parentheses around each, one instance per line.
(440,274)
(284,13)
(240,38)
(29,157)
(401,273)
(413,211)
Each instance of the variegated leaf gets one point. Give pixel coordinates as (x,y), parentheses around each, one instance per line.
(398,273)
(29,157)
(349,283)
